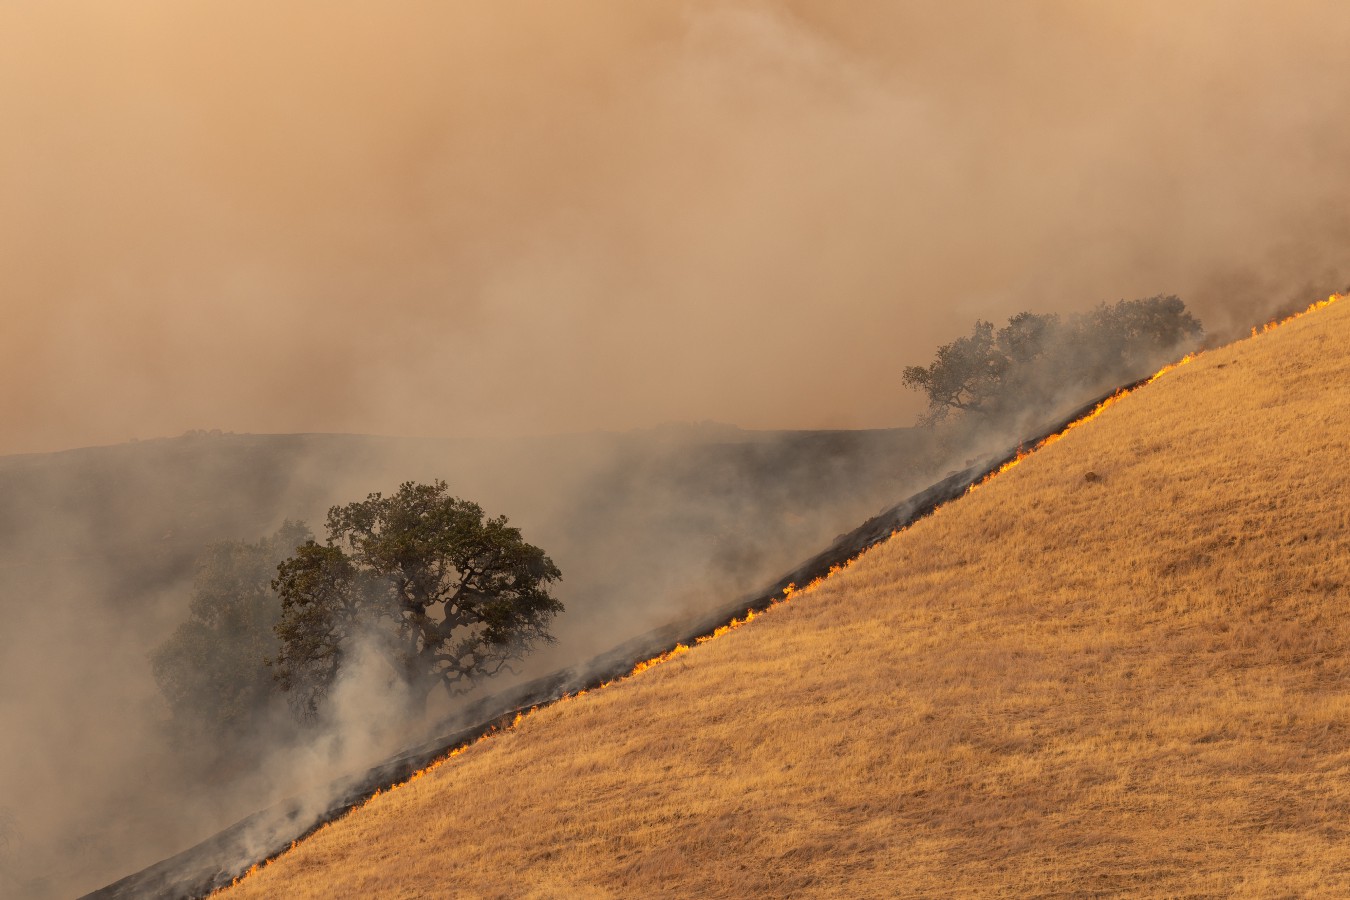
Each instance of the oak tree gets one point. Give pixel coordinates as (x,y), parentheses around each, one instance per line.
(1036,360)
(443,592)
(212,671)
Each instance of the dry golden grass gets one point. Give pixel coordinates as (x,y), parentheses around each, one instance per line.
(1134,685)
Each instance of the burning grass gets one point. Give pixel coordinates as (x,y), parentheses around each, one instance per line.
(1130,683)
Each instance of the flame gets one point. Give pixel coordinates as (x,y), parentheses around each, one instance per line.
(670,654)
(1276,323)
(792,591)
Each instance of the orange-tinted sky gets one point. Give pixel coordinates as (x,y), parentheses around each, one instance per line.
(531,216)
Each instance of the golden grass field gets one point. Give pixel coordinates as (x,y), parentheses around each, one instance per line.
(1131,685)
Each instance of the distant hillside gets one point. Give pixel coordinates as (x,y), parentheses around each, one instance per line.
(97,548)
(131,519)
(1117,668)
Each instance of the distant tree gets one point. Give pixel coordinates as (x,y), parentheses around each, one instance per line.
(967,374)
(1122,336)
(1026,338)
(212,671)
(445,594)
(1035,358)
(986,372)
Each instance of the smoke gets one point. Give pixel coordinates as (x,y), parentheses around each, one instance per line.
(527,217)
(96,565)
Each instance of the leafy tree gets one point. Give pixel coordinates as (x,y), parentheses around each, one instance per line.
(445,594)
(965,376)
(1034,358)
(1026,338)
(212,671)
(1122,336)
(983,373)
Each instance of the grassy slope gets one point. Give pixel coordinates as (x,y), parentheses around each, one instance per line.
(1056,686)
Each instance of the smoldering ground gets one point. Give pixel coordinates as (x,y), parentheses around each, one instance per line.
(531,217)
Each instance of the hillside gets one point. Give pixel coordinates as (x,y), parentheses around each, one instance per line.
(1130,682)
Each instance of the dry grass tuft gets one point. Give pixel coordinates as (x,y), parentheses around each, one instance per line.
(1133,683)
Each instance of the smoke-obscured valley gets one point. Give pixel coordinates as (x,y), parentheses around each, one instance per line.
(648,527)
(528,236)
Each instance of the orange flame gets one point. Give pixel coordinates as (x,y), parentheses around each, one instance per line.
(1276,323)
(670,654)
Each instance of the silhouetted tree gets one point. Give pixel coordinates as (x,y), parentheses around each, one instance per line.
(1120,337)
(1035,358)
(967,374)
(445,594)
(212,671)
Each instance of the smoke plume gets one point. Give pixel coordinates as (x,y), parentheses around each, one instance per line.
(532,217)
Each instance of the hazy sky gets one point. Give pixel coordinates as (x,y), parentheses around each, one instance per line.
(531,215)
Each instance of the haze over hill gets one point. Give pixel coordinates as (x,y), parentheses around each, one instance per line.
(531,217)
(1117,668)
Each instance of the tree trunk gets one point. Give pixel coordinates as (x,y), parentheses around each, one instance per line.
(417,690)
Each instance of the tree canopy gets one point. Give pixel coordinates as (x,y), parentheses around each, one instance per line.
(212,671)
(444,593)
(1035,358)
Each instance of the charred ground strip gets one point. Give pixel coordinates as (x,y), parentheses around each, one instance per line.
(217,861)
